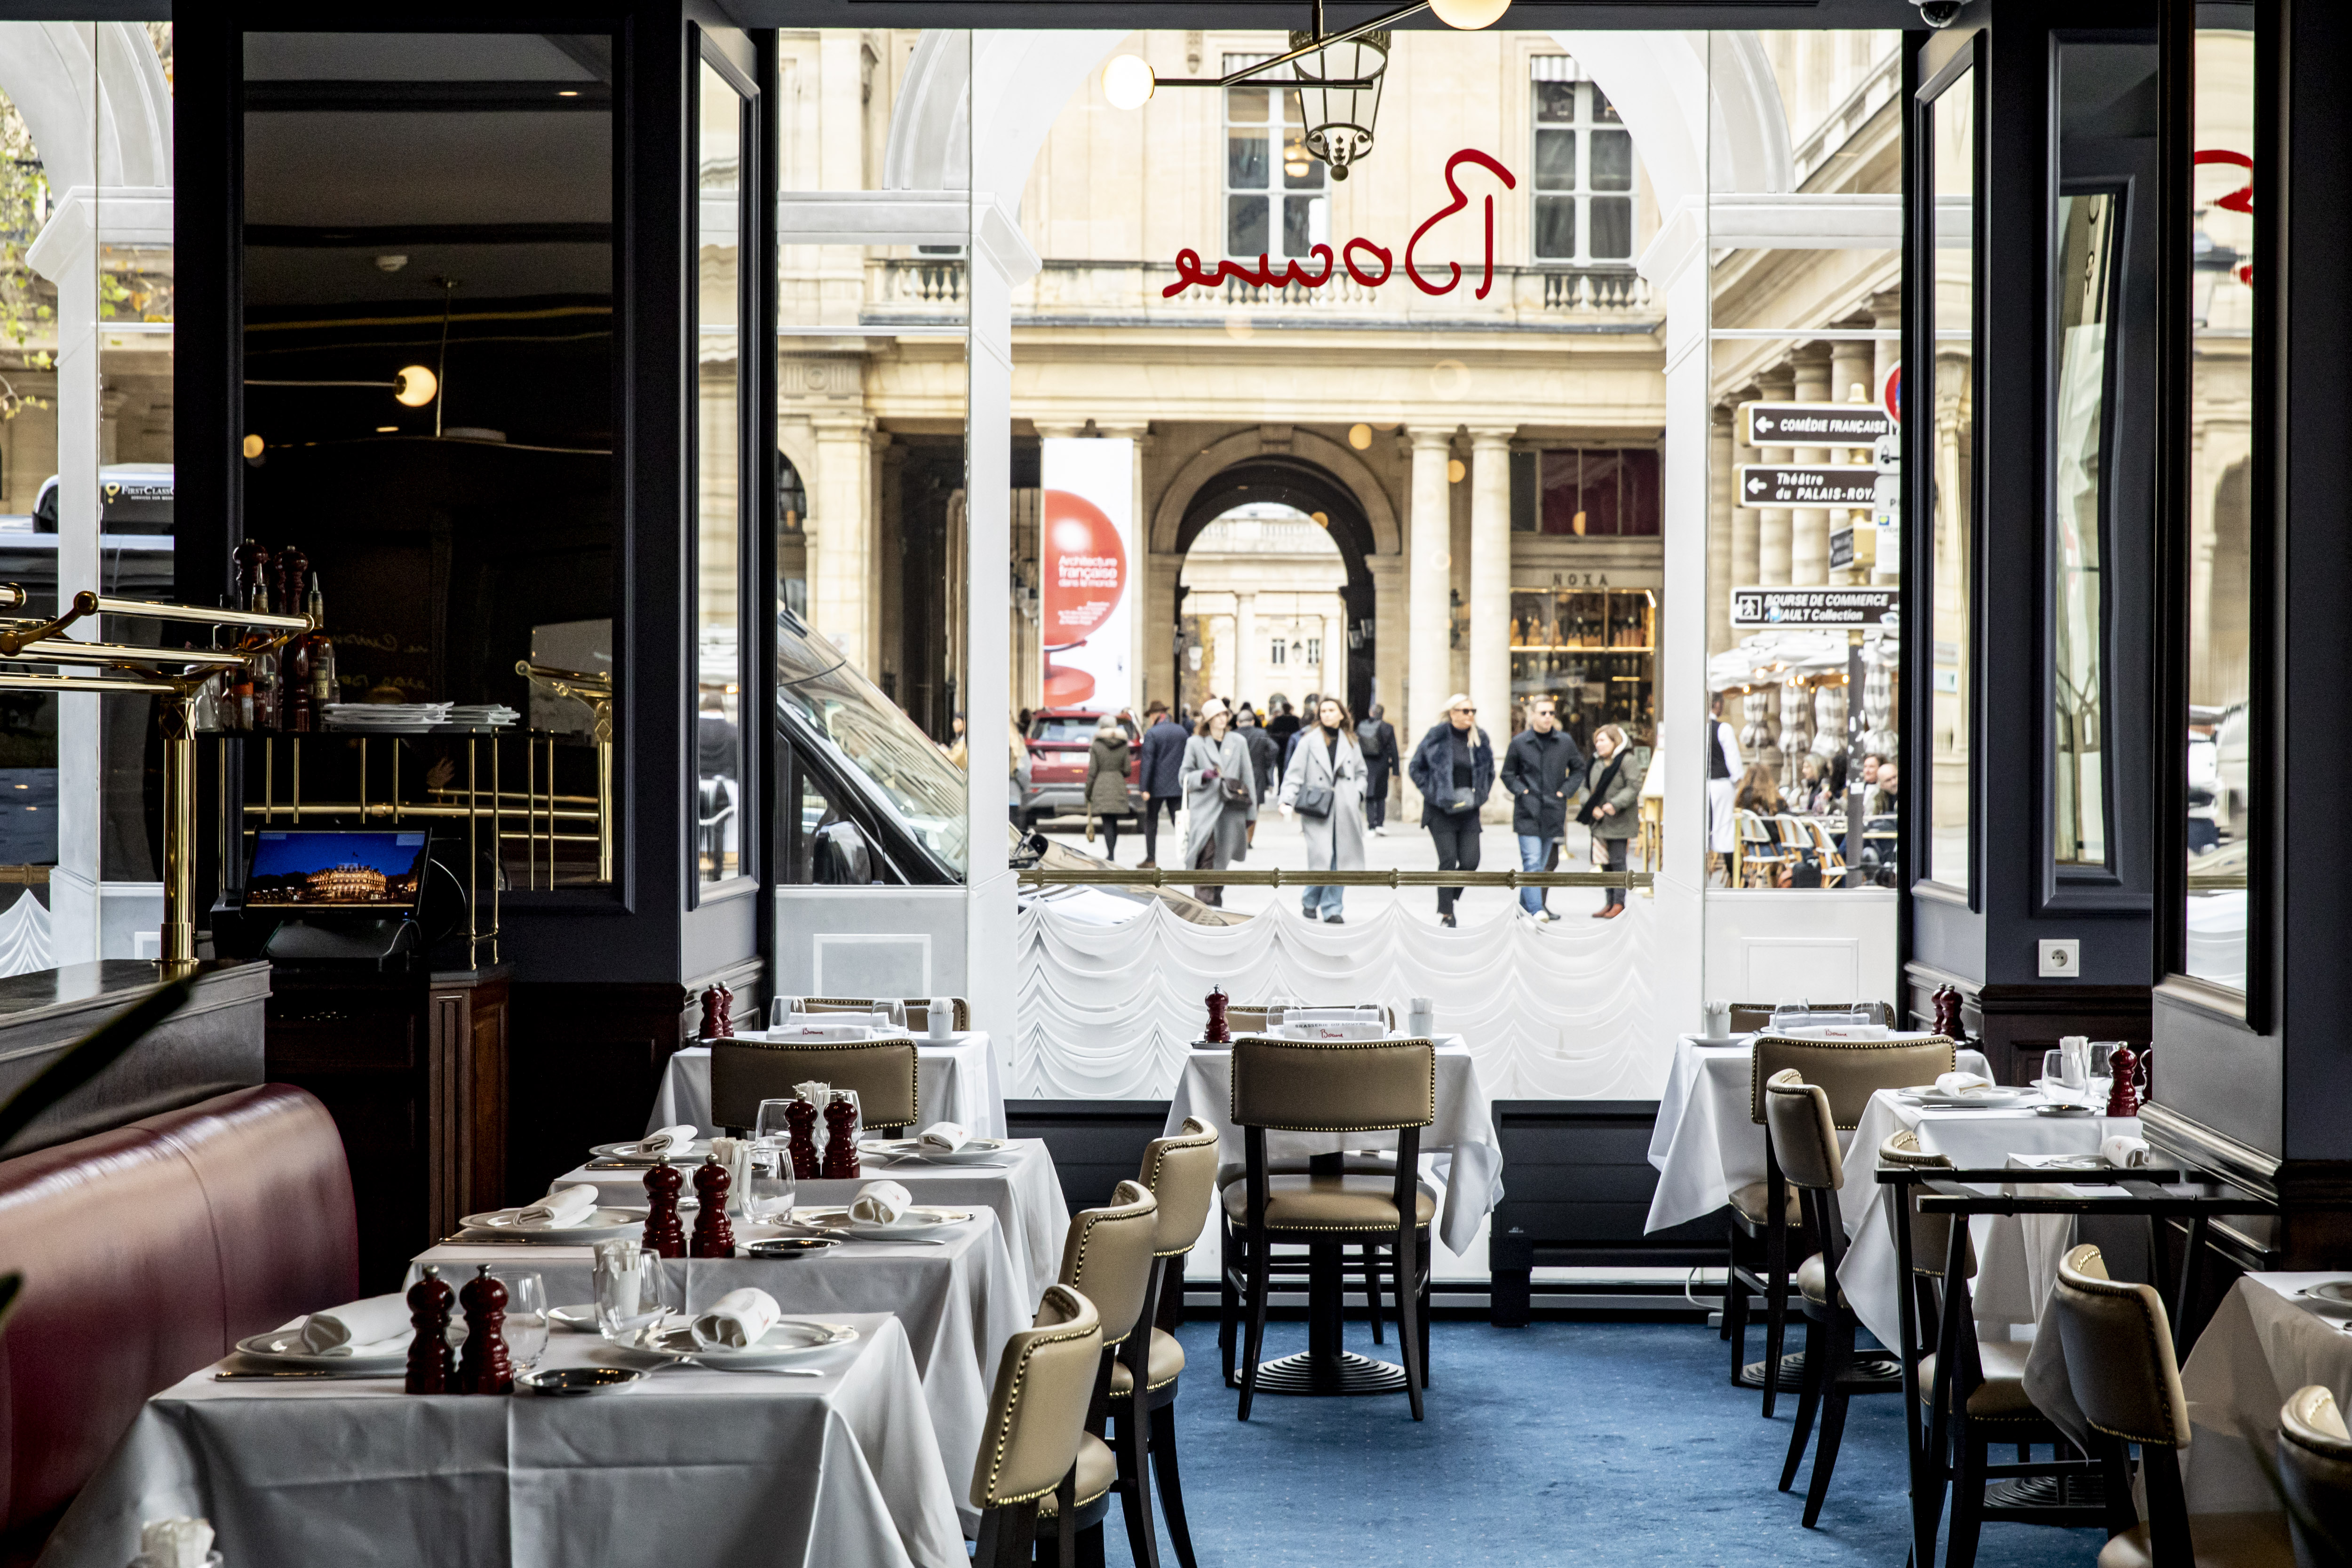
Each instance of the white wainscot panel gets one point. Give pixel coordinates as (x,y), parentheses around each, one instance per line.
(1826,945)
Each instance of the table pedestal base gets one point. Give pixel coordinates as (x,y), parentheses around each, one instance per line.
(1869,1364)
(1349,1374)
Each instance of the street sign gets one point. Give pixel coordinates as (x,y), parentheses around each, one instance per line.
(1813,424)
(1890,395)
(1772,484)
(1877,606)
(1841,548)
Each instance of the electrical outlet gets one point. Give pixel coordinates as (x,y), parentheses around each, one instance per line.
(2062,957)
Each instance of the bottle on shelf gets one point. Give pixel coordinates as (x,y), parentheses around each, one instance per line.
(258,692)
(311,668)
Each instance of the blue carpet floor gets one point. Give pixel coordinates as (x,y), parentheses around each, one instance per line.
(1587,1442)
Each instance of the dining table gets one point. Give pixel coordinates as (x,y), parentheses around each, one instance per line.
(957,1296)
(720,1468)
(1020,1186)
(957,1079)
(2267,1339)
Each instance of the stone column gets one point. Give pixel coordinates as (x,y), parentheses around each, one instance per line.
(1429,562)
(1490,580)
(1809,526)
(1245,682)
(841,538)
(1721,512)
(1772,522)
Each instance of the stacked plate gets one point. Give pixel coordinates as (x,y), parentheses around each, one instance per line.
(480,715)
(363,716)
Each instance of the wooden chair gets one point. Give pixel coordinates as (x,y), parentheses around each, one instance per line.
(918,1008)
(2314,1454)
(2120,1368)
(1035,1453)
(1181,1171)
(883,1072)
(1761,855)
(1971,1393)
(1342,1087)
(1108,1257)
(1762,1213)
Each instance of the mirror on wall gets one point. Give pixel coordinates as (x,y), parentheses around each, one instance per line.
(722,807)
(1948,402)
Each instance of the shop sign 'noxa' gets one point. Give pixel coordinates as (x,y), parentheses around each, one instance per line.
(1191,270)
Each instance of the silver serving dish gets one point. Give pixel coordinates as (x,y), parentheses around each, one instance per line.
(566,1381)
(788,1245)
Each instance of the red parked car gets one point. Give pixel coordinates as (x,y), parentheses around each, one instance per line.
(1058,740)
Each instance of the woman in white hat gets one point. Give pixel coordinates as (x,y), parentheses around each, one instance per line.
(1220,795)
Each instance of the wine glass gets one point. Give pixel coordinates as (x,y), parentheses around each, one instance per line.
(894,1011)
(780,1011)
(769,1188)
(773,1125)
(2102,1053)
(526,1323)
(2053,1070)
(633,1291)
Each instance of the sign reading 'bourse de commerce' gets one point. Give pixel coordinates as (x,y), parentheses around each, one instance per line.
(1782,484)
(1814,424)
(1877,605)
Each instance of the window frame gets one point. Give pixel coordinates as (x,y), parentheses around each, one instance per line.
(1275,192)
(1583,124)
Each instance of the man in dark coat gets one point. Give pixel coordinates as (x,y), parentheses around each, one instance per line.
(1453,769)
(1161,767)
(1377,738)
(1537,768)
(1263,756)
(1309,714)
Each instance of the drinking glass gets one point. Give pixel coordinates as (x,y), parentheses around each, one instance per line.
(631,1290)
(2054,1068)
(526,1325)
(769,1186)
(781,1010)
(894,1013)
(2102,1052)
(773,1126)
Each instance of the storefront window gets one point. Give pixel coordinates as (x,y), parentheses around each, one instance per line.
(1591,651)
(1951,452)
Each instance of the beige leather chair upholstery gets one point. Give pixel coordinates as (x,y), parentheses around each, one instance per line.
(1796,1112)
(1106,1257)
(2120,1367)
(1848,1071)
(1181,1171)
(1333,1086)
(883,1072)
(918,1008)
(1931,1234)
(2314,1454)
(1035,1442)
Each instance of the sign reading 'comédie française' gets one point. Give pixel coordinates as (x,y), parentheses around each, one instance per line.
(1813,424)
(1777,484)
(1877,606)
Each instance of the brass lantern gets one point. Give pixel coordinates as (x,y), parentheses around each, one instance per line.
(1339,118)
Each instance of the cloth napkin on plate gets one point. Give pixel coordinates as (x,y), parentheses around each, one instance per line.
(1956,1084)
(737,1320)
(559,1210)
(2124,1151)
(881,1203)
(946,1137)
(337,1331)
(174,1543)
(667,1141)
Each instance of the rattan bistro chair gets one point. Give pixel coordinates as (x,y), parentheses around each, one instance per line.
(1763,1213)
(1342,1087)
(2314,1455)
(1035,1453)
(883,1072)
(2120,1368)
(1181,1171)
(918,1008)
(1107,1257)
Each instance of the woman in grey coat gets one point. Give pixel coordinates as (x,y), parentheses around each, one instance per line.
(1329,758)
(1612,805)
(1218,833)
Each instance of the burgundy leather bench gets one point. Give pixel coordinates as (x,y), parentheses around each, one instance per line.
(148,1251)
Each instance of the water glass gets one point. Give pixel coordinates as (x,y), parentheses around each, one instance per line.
(631,1290)
(526,1325)
(894,1015)
(2102,1053)
(773,1125)
(781,1010)
(769,1188)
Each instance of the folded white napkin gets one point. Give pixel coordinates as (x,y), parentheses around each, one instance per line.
(1958,1083)
(945,1136)
(335,1332)
(174,1543)
(559,1210)
(2124,1151)
(821,1027)
(815,1093)
(737,1318)
(1334,1029)
(668,1140)
(880,1202)
(735,1155)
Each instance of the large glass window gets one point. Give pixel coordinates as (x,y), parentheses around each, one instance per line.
(1951,407)
(1583,165)
(1274,200)
(721,813)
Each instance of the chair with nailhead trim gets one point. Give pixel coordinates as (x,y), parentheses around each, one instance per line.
(1108,1257)
(1036,1457)
(1181,1171)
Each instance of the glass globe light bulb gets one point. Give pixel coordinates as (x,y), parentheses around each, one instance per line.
(413,386)
(1469,14)
(1129,82)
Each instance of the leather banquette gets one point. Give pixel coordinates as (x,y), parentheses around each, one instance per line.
(148,1251)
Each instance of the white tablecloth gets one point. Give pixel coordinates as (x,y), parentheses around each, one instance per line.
(957,1080)
(2262,1346)
(688,1465)
(959,1304)
(1460,1148)
(1705,1146)
(1025,1193)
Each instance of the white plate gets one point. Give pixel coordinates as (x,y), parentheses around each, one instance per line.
(791,1337)
(2329,1295)
(273,1348)
(604,1224)
(975,1150)
(696,1151)
(1718,1041)
(918,1220)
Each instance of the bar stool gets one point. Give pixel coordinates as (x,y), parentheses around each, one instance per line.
(1035,1453)
(2120,1367)
(1181,1171)
(883,1072)
(1106,1257)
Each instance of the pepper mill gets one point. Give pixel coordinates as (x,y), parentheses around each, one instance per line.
(1947,1010)
(713,1020)
(841,1141)
(483,1368)
(726,1009)
(714,1236)
(663,1237)
(430,1363)
(2123,1096)
(1217,1033)
(800,1124)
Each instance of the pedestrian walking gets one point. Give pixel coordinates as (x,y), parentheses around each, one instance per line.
(1540,767)
(1162,768)
(1284,724)
(1307,721)
(1724,764)
(1612,805)
(1220,796)
(1453,768)
(1324,786)
(1263,757)
(1107,799)
(1376,737)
